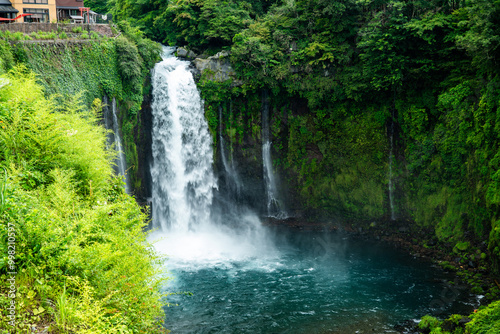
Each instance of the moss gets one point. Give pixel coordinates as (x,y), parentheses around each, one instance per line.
(486,320)
(428,323)
(461,247)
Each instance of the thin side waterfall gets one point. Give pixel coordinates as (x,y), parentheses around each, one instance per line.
(232,177)
(114,138)
(121,162)
(391,185)
(275,207)
(192,228)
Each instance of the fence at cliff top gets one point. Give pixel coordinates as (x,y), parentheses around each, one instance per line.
(27,28)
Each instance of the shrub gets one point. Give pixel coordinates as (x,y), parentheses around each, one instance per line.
(6,57)
(94,35)
(486,320)
(428,323)
(83,262)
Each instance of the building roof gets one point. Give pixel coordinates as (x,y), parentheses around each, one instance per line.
(69,3)
(5,3)
(8,9)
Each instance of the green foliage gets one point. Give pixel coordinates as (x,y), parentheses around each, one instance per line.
(462,246)
(77,30)
(68,70)
(112,67)
(83,263)
(6,57)
(486,320)
(208,23)
(480,33)
(98,6)
(129,64)
(14,36)
(428,323)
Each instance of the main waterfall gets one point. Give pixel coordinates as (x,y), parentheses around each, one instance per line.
(183,181)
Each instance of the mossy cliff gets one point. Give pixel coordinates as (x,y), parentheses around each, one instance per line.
(113,67)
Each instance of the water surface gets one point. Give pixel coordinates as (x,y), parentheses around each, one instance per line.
(312,283)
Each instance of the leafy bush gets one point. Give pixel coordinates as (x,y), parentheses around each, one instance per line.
(6,57)
(77,30)
(428,323)
(94,35)
(83,263)
(486,320)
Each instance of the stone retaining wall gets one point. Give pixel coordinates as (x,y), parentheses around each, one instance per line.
(27,28)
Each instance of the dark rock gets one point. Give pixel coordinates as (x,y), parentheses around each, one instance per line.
(407,326)
(182,52)
(472,264)
(463,321)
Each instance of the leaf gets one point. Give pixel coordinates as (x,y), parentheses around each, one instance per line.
(38,311)
(31,294)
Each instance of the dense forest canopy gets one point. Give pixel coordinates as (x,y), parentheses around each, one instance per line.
(364,45)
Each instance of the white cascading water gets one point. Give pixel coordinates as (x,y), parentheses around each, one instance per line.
(391,186)
(121,162)
(233,179)
(183,181)
(114,139)
(275,207)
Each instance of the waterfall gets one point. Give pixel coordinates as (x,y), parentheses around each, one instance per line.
(232,178)
(391,185)
(275,207)
(121,162)
(183,180)
(111,123)
(193,229)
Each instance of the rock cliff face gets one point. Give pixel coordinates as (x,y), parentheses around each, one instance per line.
(216,68)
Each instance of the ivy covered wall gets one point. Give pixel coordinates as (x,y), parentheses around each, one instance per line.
(113,67)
